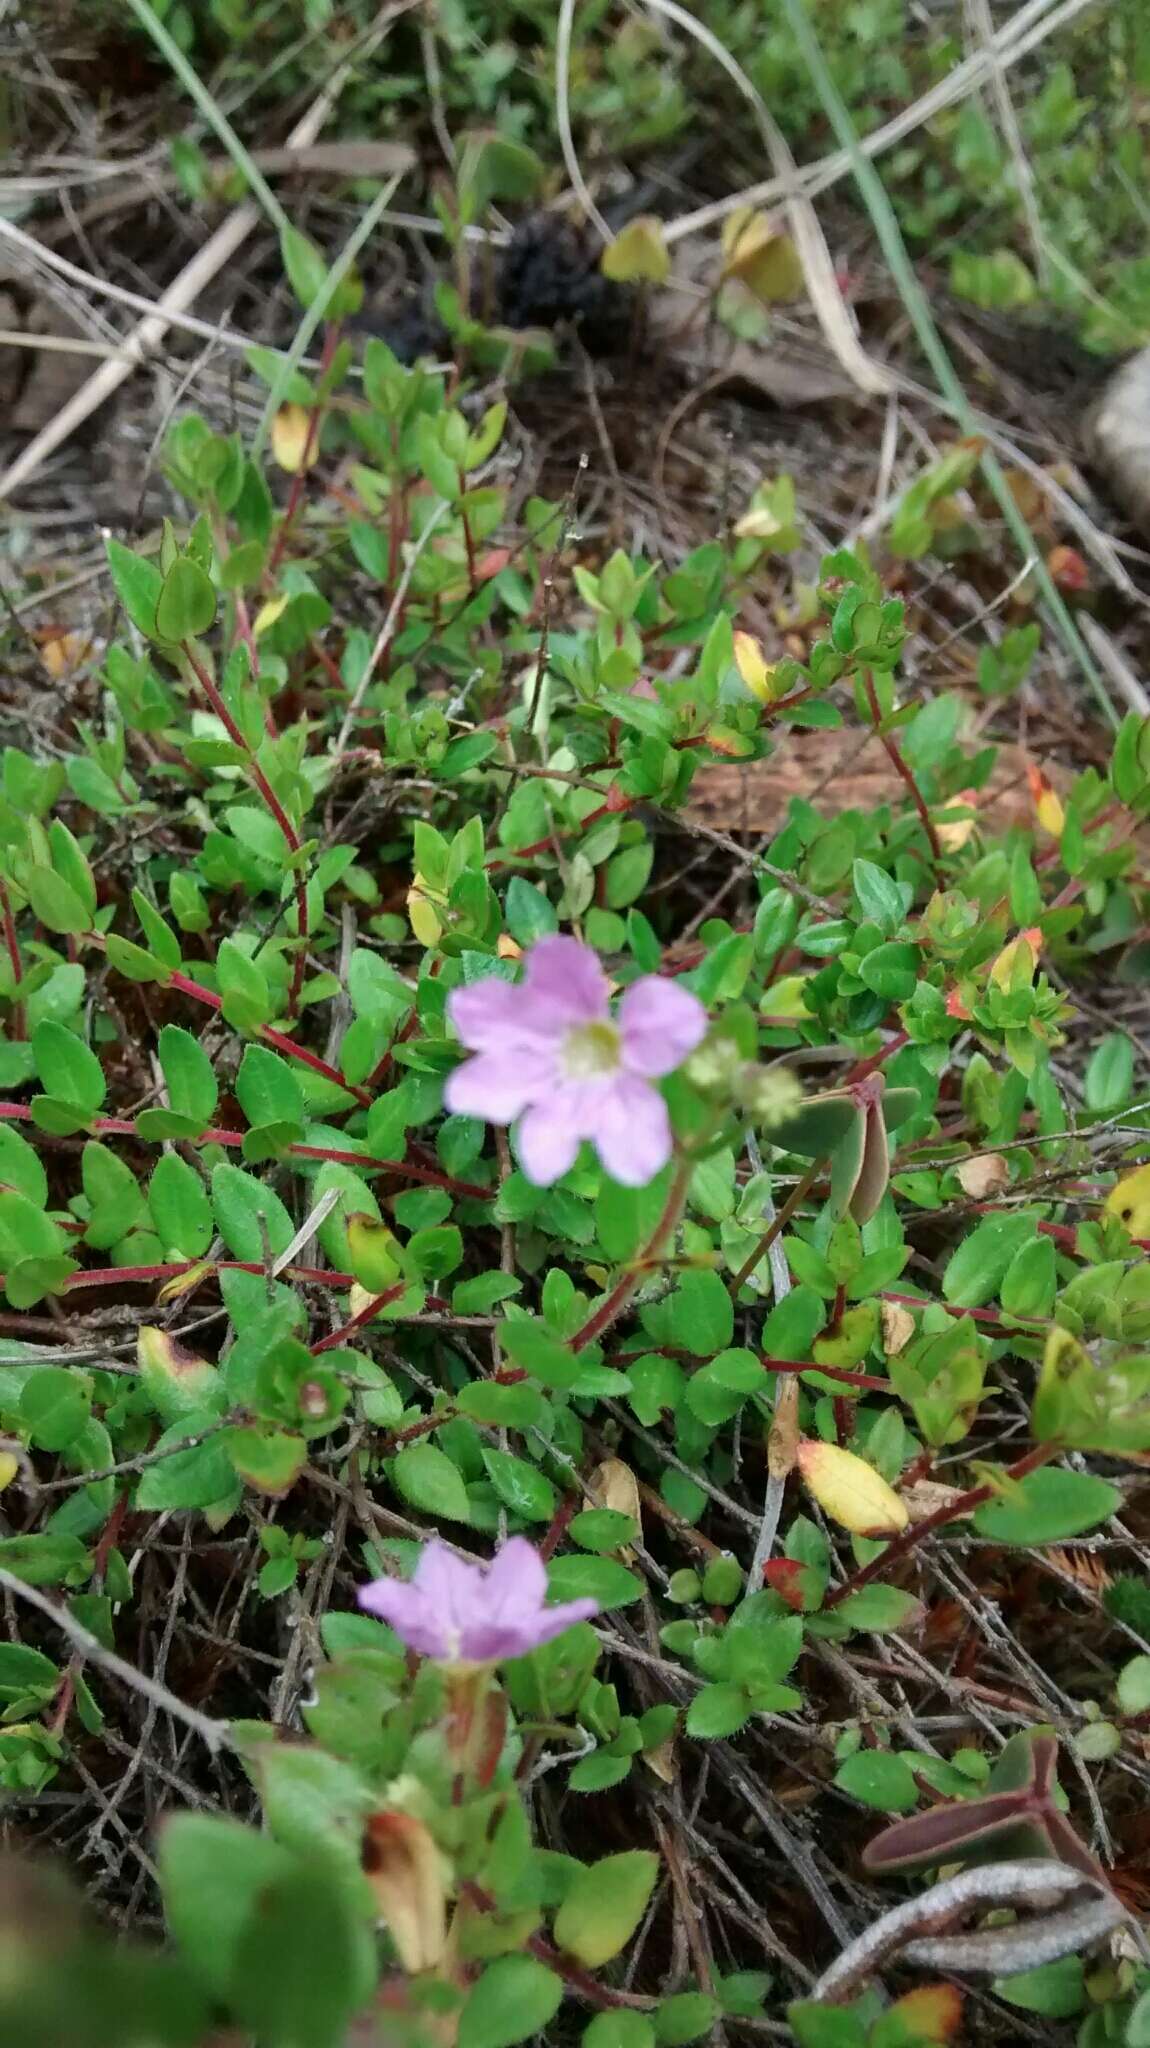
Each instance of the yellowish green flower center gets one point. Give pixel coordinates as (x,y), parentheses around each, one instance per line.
(590,1050)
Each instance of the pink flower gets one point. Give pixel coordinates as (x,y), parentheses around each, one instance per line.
(463,1613)
(549,1052)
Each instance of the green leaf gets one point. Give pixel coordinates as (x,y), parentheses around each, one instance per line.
(593,1578)
(42,1560)
(515,1998)
(207,1916)
(601,1529)
(879,896)
(1055,1505)
(54,1407)
(25,1231)
(305,1961)
(891,970)
(619,2029)
(604,1905)
(879,1779)
(55,902)
(138,586)
(686,2017)
(245,1209)
(878,1609)
(267,1089)
(717,1711)
(113,1193)
(21,1167)
(975,1272)
(529,1344)
(528,914)
(68,1069)
(1109,1077)
(1134,1686)
(191,1083)
(701,1314)
(826,2026)
(269,1459)
(194,1478)
(520,1486)
(305,265)
(312,1801)
(180,1208)
(187,606)
(426,1477)
(1031,1280)
(1055,1990)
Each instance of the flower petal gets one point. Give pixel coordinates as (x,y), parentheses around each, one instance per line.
(661,1023)
(548,1138)
(406,1610)
(632,1132)
(554,1620)
(498,1086)
(567,975)
(515,1583)
(486,1013)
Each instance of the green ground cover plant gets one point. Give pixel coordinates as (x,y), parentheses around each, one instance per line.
(619,1307)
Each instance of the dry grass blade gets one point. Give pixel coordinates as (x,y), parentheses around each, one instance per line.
(181,293)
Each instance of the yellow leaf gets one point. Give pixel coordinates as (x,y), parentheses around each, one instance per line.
(268,614)
(1130,1201)
(762,257)
(1047,803)
(638,255)
(295,444)
(9,1466)
(374,1252)
(1014,967)
(850,1491)
(422,914)
(953,832)
(759,523)
(758,675)
(786,998)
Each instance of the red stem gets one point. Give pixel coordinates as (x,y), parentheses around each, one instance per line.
(903,771)
(610,1310)
(274,806)
(12,945)
(123,1127)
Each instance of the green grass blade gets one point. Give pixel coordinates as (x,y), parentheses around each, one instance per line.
(213,114)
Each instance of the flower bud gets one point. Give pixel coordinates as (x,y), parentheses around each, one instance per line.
(769,1094)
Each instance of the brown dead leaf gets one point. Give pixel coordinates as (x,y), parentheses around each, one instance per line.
(63,653)
(897,1328)
(663,1761)
(1083,1566)
(926,1496)
(614,1485)
(986,1174)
